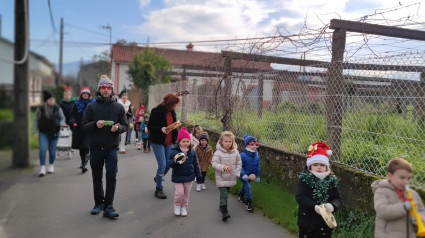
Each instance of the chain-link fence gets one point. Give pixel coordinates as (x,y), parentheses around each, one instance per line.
(372,114)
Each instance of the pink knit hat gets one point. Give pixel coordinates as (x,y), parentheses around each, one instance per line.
(183,133)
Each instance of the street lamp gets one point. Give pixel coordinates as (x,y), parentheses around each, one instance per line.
(108,27)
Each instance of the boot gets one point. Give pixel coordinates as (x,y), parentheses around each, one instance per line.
(241,197)
(139,146)
(149,149)
(160,194)
(110,212)
(224,213)
(86,160)
(145,150)
(249,206)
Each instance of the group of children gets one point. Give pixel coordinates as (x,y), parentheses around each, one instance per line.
(192,156)
(141,120)
(317,187)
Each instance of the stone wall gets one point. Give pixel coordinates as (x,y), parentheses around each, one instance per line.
(282,168)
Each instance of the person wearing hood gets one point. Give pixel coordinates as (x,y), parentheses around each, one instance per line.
(392,204)
(104,120)
(227,164)
(48,119)
(79,138)
(317,185)
(250,170)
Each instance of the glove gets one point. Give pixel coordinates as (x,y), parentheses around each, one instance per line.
(413,220)
(329,207)
(245,178)
(407,205)
(74,125)
(317,209)
(257,180)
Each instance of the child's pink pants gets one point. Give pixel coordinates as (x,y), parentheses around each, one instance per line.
(181,196)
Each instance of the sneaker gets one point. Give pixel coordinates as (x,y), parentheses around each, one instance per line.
(109,212)
(249,206)
(96,209)
(198,187)
(241,197)
(184,211)
(51,169)
(42,171)
(123,152)
(203,186)
(177,210)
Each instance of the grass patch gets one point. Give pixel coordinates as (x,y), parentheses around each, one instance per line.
(352,224)
(6,114)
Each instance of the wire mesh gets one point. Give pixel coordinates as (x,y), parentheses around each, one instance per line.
(381,110)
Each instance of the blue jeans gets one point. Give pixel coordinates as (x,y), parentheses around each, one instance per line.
(162,153)
(129,135)
(109,158)
(246,189)
(45,142)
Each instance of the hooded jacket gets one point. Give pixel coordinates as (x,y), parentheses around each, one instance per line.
(391,215)
(187,171)
(223,158)
(204,157)
(104,109)
(250,163)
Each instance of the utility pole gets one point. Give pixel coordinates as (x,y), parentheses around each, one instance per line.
(108,27)
(59,78)
(21,111)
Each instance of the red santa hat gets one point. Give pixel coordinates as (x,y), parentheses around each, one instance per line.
(85,90)
(318,152)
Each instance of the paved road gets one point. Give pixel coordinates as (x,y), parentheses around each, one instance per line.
(58,205)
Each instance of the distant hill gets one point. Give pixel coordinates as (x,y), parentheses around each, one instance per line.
(71,68)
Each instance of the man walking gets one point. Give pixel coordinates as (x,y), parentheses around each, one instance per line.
(104,120)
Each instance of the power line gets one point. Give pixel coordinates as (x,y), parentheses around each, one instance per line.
(51,17)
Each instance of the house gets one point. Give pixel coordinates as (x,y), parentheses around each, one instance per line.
(122,55)
(39,69)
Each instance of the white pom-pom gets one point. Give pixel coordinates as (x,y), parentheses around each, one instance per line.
(329,152)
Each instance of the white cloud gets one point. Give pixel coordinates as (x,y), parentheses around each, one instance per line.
(144,3)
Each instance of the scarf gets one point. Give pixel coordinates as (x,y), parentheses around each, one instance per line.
(82,104)
(320,186)
(184,150)
(321,175)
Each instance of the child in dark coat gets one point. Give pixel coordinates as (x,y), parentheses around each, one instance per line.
(204,153)
(316,186)
(250,170)
(185,167)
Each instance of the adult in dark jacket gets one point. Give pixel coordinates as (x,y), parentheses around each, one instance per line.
(162,140)
(104,120)
(316,186)
(48,120)
(80,140)
(66,104)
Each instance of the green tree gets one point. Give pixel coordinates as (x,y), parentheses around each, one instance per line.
(144,70)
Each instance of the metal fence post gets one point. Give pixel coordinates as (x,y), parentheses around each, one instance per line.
(421,101)
(334,87)
(184,98)
(227,102)
(260,96)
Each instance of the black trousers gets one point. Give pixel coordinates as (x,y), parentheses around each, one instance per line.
(83,153)
(146,143)
(202,179)
(315,233)
(109,159)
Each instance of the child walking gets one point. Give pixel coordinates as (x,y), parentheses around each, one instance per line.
(391,203)
(205,154)
(250,170)
(196,131)
(138,119)
(316,186)
(145,135)
(185,167)
(227,164)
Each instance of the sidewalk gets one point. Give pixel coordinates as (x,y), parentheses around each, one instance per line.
(58,205)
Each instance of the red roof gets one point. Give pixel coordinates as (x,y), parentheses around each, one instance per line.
(124,53)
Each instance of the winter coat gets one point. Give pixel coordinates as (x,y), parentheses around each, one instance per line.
(142,129)
(194,141)
(137,123)
(204,157)
(250,163)
(223,158)
(104,109)
(79,138)
(187,171)
(390,219)
(66,108)
(307,216)
(50,126)
(158,120)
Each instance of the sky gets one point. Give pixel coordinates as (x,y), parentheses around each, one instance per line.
(178,21)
